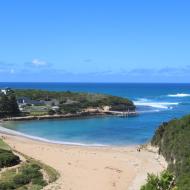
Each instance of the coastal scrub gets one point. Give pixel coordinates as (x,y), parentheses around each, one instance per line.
(173,140)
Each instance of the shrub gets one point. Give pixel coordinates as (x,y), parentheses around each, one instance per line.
(163,182)
(28,176)
(172,139)
(33,173)
(39,181)
(7,158)
(7,186)
(21,179)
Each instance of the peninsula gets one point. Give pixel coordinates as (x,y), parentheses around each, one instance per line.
(27,104)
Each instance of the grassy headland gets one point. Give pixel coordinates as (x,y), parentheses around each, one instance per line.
(173,140)
(40,103)
(72,102)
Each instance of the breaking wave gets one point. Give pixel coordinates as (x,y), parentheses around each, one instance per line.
(154,104)
(179,95)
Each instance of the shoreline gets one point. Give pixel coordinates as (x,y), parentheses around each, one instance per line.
(70,116)
(6,131)
(111,168)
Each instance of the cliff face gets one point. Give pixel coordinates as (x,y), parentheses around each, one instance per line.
(173,140)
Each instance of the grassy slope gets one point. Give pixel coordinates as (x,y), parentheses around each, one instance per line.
(3,145)
(15,178)
(173,140)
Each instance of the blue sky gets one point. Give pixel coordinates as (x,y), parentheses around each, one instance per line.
(95,40)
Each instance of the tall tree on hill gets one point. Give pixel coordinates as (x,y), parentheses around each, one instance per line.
(4,105)
(14,110)
(8,105)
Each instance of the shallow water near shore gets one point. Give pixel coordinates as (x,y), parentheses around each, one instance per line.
(155,103)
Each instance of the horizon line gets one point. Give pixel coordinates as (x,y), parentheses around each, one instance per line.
(97,82)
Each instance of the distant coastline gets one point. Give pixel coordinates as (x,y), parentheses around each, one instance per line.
(69,116)
(18,105)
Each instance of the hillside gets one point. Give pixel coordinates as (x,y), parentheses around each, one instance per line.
(173,140)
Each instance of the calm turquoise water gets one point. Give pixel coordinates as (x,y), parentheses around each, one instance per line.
(155,103)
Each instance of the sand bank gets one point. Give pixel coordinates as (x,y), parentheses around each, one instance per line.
(92,168)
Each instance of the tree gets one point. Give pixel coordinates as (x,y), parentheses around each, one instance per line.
(4,105)
(8,105)
(14,109)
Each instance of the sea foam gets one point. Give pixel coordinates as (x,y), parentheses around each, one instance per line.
(154,104)
(179,95)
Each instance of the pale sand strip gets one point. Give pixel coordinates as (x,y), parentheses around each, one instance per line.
(92,168)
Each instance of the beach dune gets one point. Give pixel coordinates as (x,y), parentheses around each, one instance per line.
(92,168)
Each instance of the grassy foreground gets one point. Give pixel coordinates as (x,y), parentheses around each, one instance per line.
(3,145)
(7,158)
(27,175)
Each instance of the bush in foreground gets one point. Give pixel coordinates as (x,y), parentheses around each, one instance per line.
(173,140)
(28,176)
(165,181)
(7,158)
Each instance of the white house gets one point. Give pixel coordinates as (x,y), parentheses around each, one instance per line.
(5,91)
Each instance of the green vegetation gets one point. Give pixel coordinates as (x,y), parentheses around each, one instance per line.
(163,182)
(173,140)
(73,102)
(3,145)
(8,105)
(38,113)
(53,175)
(7,158)
(40,102)
(27,176)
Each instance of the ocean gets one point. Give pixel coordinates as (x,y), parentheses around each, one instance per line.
(155,103)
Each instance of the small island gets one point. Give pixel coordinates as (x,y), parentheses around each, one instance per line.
(28,104)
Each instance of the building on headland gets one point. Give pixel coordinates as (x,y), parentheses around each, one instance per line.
(6,90)
(28,101)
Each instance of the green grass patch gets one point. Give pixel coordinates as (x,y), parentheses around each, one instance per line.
(53,175)
(7,158)
(38,113)
(4,146)
(27,176)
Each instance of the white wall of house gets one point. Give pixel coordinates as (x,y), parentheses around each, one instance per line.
(4,91)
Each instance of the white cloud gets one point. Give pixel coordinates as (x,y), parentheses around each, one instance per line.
(38,62)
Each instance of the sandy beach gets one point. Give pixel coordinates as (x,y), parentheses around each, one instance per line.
(92,168)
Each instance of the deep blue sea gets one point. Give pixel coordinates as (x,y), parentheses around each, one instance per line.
(155,103)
